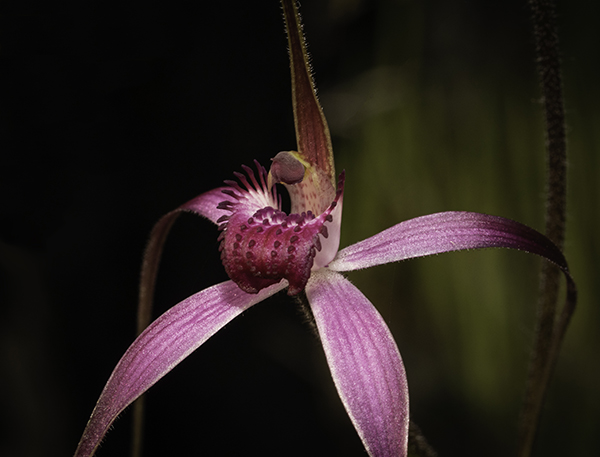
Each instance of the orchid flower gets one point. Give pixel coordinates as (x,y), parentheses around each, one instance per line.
(264,251)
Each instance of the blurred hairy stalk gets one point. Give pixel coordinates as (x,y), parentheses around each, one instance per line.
(551,322)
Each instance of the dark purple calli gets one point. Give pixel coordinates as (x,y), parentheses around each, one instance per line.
(264,250)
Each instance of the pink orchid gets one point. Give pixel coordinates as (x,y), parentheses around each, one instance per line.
(265,250)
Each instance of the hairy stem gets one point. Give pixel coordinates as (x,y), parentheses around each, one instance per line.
(550,329)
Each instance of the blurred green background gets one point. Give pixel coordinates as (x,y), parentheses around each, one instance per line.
(113,116)
(441,112)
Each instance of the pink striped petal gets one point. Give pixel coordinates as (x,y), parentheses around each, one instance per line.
(365,363)
(451,231)
(445,232)
(165,343)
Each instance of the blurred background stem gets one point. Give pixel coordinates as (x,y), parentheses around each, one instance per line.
(549,330)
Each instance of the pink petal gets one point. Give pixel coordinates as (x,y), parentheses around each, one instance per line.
(452,231)
(364,362)
(445,232)
(165,343)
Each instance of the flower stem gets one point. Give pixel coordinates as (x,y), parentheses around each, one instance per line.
(550,327)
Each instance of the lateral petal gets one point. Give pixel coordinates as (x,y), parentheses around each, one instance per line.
(455,231)
(445,232)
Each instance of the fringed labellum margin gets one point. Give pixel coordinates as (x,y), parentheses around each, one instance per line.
(260,244)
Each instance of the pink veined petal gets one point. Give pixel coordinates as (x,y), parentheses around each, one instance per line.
(365,362)
(445,232)
(165,343)
(454,231)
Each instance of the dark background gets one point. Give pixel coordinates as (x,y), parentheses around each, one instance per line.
(112,115)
